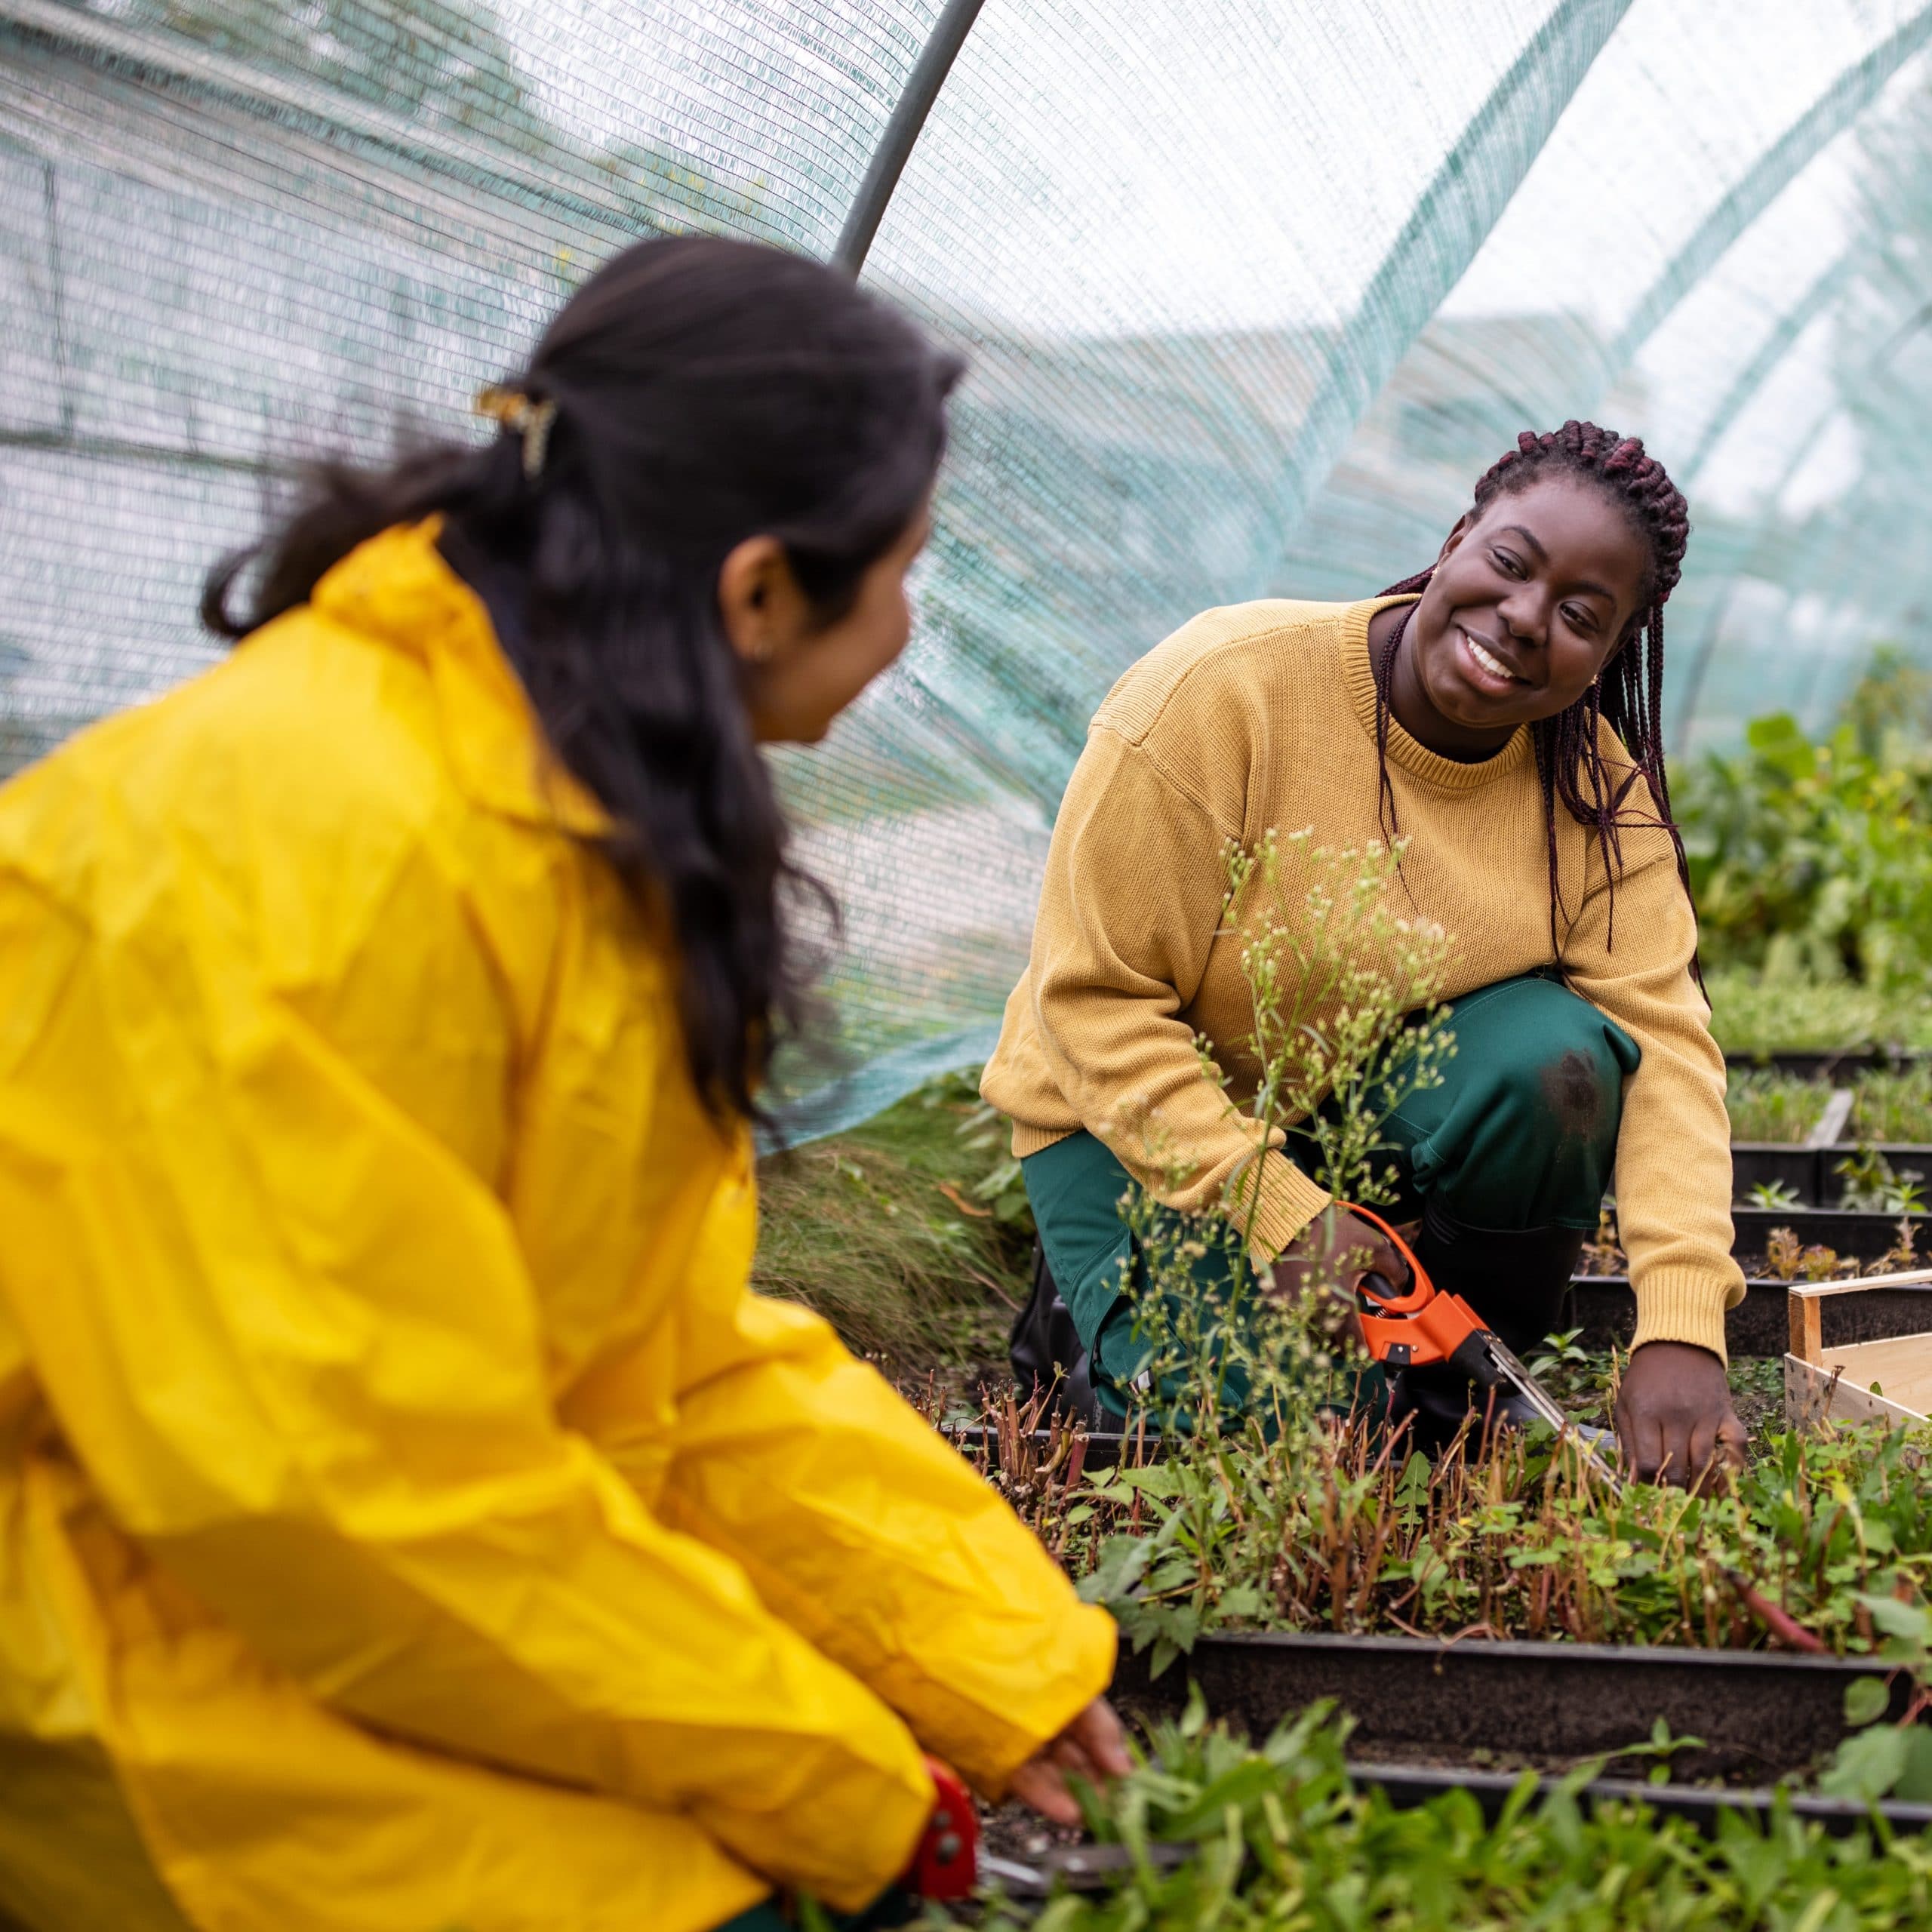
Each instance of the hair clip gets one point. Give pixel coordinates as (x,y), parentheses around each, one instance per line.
(517,414)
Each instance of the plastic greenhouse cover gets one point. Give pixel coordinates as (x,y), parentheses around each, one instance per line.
(1252,292)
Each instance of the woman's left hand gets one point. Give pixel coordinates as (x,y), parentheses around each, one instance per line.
(1093,1747)
(1675,1418)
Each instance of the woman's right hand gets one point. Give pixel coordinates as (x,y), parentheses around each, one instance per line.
(1093,1747)
(1335,1249)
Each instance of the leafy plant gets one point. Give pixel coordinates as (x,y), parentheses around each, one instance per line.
(1774,1194)
(1871,1184)
(1787,1259)
(1279,1837)
(1889,709)
(1560,1353)
(1895,1105)
(1813,859)
(1902,1256)
(1660,1747)
(1345,991)
(1604,1255)
(989,1176)
(1751,1013)
(1346,1025)
(1336,1532)
(1888,1761)
(1771,1106)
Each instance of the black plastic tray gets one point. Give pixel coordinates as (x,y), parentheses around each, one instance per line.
(1810,1171)
(1835,1062)
(1604,1308)
(1850,1232)
(1406,1786)
(1762,1714)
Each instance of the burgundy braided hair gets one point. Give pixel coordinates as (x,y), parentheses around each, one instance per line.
(1628,694)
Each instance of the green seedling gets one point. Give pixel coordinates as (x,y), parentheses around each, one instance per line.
(1871,1184)
(1281,1839)
(1660,1747)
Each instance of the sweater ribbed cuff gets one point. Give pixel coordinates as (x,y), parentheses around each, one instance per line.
(1289,1201)
(1685,1305)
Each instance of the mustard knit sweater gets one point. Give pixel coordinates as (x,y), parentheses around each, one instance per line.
(1261,717)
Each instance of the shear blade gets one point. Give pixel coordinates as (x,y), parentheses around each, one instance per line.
(1081,1868)
(1550,1410)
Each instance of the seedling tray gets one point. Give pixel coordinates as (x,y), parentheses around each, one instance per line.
(1105,1448)
(1604,1309)
(1839,1063)
(1809,1171)
(1761,1715)
(1406,1786)
(1845,1231)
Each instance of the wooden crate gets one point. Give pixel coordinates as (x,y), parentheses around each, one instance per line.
(1880,1377)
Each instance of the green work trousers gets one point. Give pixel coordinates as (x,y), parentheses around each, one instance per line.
(1521,1134)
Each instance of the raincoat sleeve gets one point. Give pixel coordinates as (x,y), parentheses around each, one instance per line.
(286,1324)
(867,1532)
(1629,954)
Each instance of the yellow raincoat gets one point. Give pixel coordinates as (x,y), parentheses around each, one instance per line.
(409,1520)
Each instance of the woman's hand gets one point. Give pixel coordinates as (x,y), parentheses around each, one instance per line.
(1093,1746)
(1674,1416)
(1336,1250)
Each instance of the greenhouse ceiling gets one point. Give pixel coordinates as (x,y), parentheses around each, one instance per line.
(1252,291)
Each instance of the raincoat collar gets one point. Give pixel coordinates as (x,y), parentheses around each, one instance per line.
(397,589)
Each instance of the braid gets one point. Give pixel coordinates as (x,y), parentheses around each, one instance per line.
(1628,694)
(1383,669)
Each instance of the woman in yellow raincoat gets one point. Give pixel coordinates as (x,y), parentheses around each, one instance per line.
(409,1519)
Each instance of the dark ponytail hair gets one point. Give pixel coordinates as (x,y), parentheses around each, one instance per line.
(705,391)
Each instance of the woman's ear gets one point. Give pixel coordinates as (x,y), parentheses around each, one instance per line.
(1464,524)
(763,611)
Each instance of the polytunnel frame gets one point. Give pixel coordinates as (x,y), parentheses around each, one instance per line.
(1839,107)
(1589,22)
(1346,382)
(901,134)
(1851,94)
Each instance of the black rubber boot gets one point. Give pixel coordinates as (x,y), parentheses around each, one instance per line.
(1436,1401)
(1518,1282)
(1046,1351)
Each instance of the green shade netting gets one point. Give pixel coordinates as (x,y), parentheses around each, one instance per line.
(1252,292)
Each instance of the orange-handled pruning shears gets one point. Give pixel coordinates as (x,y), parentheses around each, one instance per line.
(946,1862)
(1426,1325)
(949,1864)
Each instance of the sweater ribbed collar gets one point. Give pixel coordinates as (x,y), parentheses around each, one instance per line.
(1410,754)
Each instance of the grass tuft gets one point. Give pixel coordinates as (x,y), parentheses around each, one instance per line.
(880,1232)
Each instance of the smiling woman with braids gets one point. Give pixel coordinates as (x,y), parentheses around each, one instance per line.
(1500,710)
